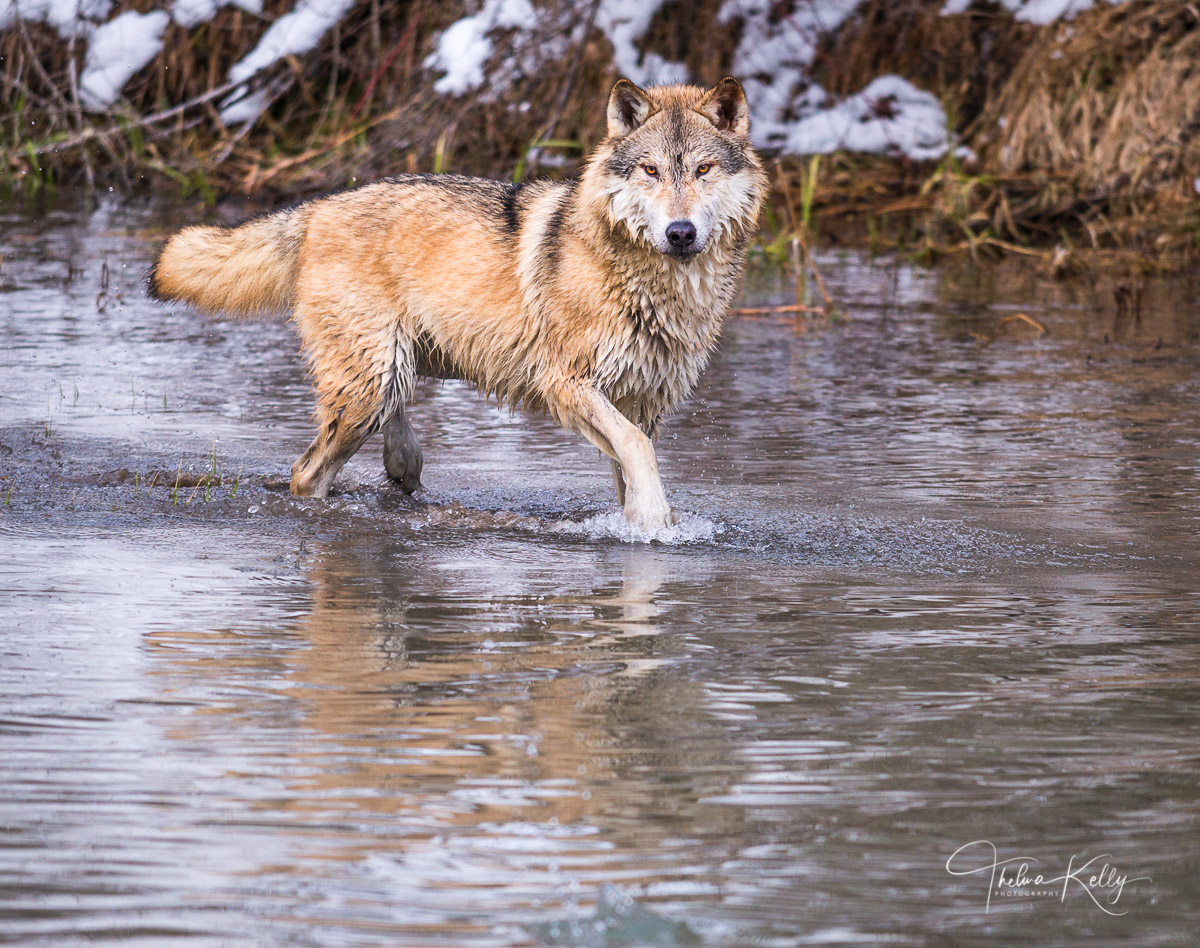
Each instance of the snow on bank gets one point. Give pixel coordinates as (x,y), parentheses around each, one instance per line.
(1041,12)
(889,116)
(465,46)
(774,56)
(292,34)
(70,18)
(189,13)
(624,22)
(116,50)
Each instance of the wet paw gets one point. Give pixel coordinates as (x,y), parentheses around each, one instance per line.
(409,483)
(650,515)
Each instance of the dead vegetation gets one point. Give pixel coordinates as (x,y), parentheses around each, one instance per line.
(359,106)
(1085,134)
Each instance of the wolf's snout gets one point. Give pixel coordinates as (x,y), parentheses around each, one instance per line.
(681,235)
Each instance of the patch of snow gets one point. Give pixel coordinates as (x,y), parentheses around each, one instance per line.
(116,50)
(1040,12)
(68,17)
(1043,12)
(624,22)
(773,56)
(1196,185)
(189,13)
(244,106)
(465,46)
(889,116)
(292,34)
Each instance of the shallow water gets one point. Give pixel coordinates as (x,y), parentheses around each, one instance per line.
(935,584)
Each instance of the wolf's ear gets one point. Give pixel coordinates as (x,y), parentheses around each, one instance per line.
(628,108)
(726,107)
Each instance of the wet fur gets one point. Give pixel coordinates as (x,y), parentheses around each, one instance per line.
(552,296)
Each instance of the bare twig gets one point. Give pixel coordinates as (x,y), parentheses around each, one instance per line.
(564,95)
(77,115)
(403,41)
(88,134)
(1022,318)
(815,272)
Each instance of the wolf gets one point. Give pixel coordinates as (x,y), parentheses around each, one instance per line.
(598,300)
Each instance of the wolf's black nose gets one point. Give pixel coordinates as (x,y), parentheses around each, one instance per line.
(681,235)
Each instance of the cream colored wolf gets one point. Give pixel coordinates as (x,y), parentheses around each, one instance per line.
(598,300)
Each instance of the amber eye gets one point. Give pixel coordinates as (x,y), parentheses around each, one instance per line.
(651,170)
(703,169)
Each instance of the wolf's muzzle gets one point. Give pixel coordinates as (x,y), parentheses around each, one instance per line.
(681,238)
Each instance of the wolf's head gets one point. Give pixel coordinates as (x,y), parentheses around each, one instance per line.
(677,171)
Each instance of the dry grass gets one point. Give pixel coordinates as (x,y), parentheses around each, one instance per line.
(361,105)
(1103,117)
(1086,133)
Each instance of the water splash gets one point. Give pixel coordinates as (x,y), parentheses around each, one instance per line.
(618,922)
(612,524)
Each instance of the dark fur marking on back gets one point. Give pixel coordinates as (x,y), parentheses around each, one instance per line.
(512,214)
(551,236)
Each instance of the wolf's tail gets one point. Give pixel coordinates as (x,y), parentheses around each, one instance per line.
(248,270)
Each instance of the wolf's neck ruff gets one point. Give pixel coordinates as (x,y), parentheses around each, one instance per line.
(598,300)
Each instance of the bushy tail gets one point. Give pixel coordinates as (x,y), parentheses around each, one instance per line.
(248,270)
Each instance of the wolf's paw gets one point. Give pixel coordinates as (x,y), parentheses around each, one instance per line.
(650,514)
(404,469)
(408,482)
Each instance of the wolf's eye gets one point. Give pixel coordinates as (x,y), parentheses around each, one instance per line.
(703,169)
(651,170)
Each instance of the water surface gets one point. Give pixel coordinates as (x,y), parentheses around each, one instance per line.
(935,584)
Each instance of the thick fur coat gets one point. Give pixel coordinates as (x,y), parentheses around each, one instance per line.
(597,300)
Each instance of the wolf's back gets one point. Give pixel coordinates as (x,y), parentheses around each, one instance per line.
(248,270)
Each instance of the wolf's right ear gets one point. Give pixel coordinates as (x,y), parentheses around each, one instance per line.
(726,107)
(628,108)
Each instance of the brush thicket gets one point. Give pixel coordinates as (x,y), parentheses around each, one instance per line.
(1086,133)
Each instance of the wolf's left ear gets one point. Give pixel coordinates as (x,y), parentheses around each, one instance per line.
(726,107)
(628,108)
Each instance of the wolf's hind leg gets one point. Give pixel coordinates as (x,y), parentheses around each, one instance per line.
(335,444)
(402,452)
(618,481)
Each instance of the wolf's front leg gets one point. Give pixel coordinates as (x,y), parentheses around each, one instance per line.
(594,416)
